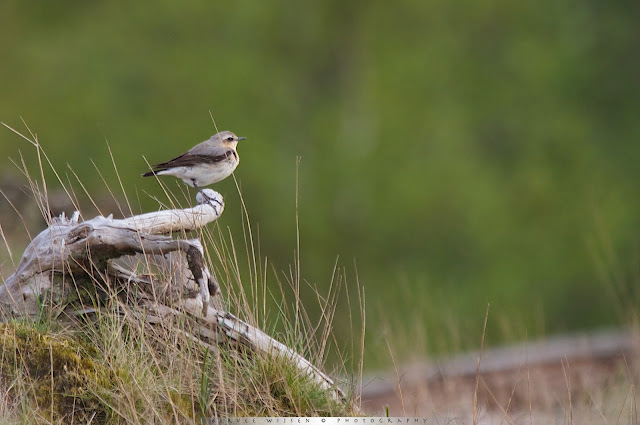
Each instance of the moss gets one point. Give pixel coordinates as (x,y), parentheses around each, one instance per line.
(66,375)
(297,393)
(182,404)
(60,371)
(282,390)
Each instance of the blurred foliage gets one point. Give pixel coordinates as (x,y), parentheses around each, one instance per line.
(459,152)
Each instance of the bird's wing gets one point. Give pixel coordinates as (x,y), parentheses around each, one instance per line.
(208,148)
(188,159)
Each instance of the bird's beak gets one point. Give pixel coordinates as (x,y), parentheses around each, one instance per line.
(241,138)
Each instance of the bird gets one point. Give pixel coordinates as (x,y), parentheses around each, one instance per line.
(206,163)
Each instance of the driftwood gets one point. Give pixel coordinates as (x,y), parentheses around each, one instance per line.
(69,246)
(78,250)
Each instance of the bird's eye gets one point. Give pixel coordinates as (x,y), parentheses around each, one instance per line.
(230,139)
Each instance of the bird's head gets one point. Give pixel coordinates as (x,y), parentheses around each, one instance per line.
(227,139)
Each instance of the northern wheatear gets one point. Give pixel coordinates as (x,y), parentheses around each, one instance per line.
(205,163)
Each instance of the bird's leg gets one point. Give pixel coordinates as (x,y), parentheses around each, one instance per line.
(206,198)
(201,191)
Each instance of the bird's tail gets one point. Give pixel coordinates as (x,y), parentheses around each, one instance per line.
(150,173)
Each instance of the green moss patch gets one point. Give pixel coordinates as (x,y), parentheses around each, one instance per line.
(57,372)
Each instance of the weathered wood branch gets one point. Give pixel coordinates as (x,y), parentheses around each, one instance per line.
(73,248)
(69,246)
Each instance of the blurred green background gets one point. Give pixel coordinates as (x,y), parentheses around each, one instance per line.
(458,153)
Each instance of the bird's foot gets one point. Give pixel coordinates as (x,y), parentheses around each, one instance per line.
(211,197)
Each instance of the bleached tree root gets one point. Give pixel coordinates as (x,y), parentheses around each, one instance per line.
(72,247)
